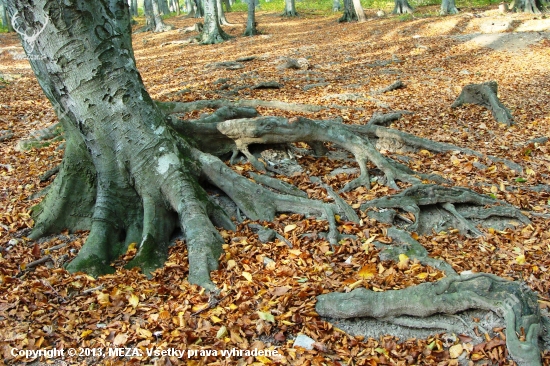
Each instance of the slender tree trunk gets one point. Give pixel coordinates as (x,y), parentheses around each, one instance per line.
(117,141)
(290,8)
(154,19)
(5,19)
(134,8)
(212,32)
(199,8)
(402,7)
(227,4)
(251,21)
(177,5)
(221,13)
(164,9)
(349,12)
(336,5)
(359,11)
(448,7)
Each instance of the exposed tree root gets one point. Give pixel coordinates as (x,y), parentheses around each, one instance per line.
(42,137)
(175,107)
(486,95)
(451,295)
(412,198)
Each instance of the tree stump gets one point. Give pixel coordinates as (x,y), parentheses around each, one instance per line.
(485,94)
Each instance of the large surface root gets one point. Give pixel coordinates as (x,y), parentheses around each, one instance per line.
(411,199)
(451,295)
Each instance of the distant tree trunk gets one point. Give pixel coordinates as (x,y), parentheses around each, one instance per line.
(528,6)
(402,7)
(359,11)
(290,8)
(448,7)
(336,5)
(163,7)
(153,17)
(199,8)
(221,14)
(134,8)
(227,4)
(251,21)
(212,32)
(5,19)
(349,12)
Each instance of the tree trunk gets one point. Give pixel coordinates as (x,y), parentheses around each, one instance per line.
(349,12)
(134,8)
(5,19)
(227,4)
(164,9)
(111,159)
(212,32)
(290,8)
(448,7)
(199,8)
(153,17)
(528,6)
(336,5)
(251,20)
(359,11)
(221,14)
(402,7)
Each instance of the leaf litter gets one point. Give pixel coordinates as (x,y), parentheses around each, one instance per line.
(268,290)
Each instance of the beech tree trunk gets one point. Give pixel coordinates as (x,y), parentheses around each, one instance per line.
(105,181)
(251,20)
(402,7)
(212,32)
(448,7)
(350,14)
(153,17)
(5,19)
(134,8)
(221,14)
(290,8)
(359,11)
(528,6)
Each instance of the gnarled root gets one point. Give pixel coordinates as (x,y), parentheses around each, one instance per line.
(451,295)
(413,198)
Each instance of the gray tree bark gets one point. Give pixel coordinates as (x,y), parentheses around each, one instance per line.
(251,20)
(5,19)
(402,7)
(153,17)
(448,7)
(359,11)
(336,5)
(111,159)
(350,14)
(221,14)
(290,8)
(528,6)
(212,32)
(134,8)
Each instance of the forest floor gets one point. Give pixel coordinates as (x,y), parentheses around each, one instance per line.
(269,289)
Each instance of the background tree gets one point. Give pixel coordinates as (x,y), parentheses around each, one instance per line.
(212,32)
(4,17)
(290,8)
(251,20)
(336,5)
(448,7)
(353,11)
(153,17)
(528,6)
(134,8)
(402,7)
(221,14)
